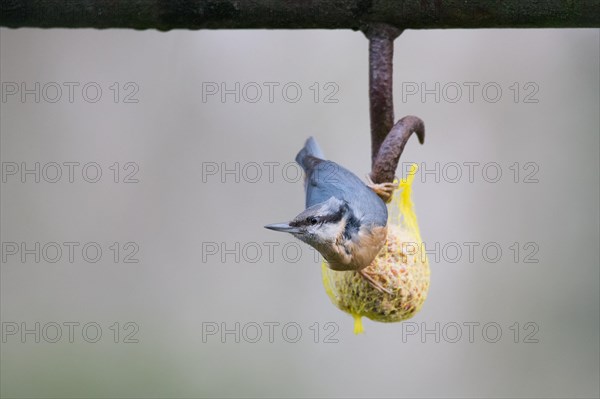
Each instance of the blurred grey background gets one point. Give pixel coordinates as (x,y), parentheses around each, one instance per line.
(177,212)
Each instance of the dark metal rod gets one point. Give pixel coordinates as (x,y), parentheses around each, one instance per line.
(387,139)
(293,14)
(381,101)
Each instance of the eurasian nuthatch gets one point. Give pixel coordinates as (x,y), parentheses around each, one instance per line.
(344,219)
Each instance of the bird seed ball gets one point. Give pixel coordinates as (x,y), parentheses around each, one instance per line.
(401,267)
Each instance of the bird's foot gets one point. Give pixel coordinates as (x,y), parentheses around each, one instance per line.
(374,283)
(383,190)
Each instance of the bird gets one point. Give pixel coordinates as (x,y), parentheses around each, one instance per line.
(344,220)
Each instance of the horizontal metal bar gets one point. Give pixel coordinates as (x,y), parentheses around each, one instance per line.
(298,14)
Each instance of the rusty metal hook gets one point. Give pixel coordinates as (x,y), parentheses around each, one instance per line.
(387,140)
(387,158)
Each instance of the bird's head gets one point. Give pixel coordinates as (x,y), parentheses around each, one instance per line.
(336,232)
(320,225)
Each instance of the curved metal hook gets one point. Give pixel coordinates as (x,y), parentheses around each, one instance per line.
(386,160)
(387,140)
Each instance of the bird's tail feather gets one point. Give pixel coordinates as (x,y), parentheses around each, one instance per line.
(311,148)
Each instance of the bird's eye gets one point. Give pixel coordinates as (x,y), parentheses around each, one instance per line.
(313,221)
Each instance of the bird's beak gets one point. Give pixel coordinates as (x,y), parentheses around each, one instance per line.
(284,227)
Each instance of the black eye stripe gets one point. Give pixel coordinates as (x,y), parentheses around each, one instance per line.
(321,219)
(334,218)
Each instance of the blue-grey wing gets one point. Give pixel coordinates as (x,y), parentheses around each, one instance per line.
(326,179)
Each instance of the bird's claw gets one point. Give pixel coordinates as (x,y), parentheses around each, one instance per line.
(383,190)
(374,283)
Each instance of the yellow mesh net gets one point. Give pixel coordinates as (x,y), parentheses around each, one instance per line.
(401,267)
